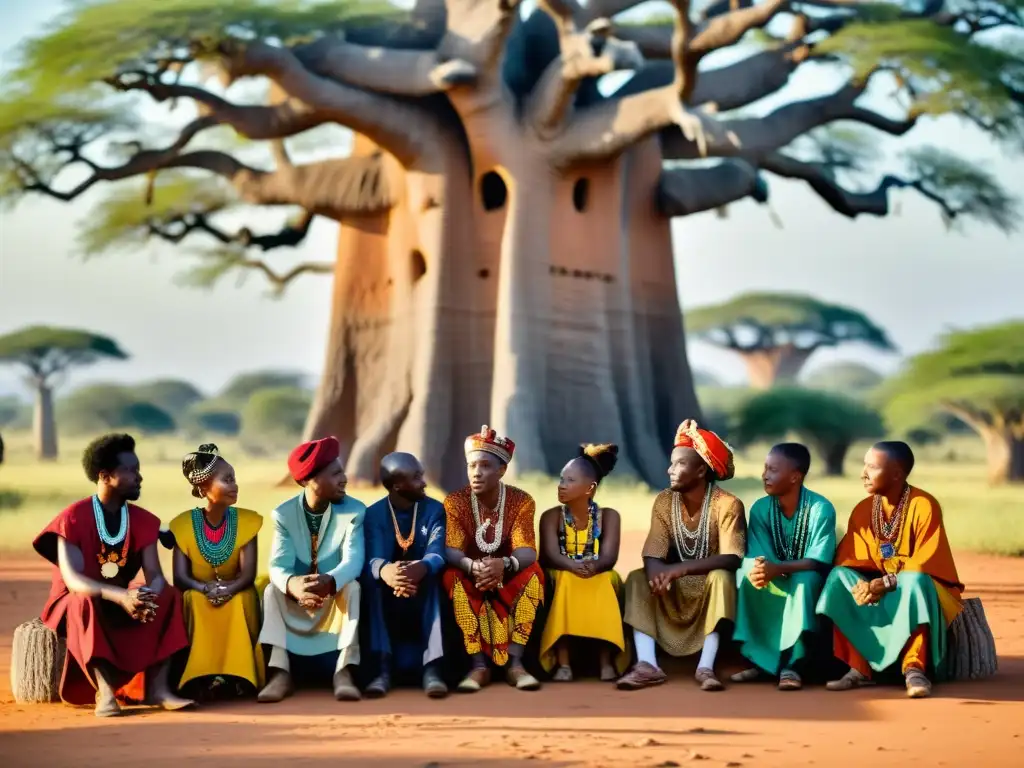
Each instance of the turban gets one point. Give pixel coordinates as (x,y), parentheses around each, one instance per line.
(487,440)
(716,453)
(309,458)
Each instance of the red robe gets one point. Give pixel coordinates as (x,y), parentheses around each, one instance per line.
(95,628)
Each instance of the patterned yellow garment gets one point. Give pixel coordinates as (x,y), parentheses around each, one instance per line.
(587,608)
(692,609)
(490,621)
(223,639)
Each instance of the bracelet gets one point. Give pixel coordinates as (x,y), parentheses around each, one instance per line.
(515,563)
(890,581)
(466,564)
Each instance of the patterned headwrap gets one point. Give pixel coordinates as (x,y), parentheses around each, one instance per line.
(714,450)
(487,440)
(198,466)
(309,458)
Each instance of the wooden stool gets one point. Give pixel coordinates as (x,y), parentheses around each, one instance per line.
(972,648)
(37,661)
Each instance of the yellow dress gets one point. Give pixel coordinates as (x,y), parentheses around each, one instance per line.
(223,639)
(587,608)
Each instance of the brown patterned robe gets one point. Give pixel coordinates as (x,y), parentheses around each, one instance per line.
(692,609)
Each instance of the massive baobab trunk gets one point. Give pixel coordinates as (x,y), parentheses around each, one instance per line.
(774,365)
(1005,455)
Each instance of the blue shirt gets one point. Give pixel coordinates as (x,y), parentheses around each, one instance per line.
(428,541)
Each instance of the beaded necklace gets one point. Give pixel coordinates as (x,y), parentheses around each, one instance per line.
(404,541)
(111,561)
(593,532)
(888,532)
(789,548)
(216,548)
(481,528)
(691,545)
(314,520)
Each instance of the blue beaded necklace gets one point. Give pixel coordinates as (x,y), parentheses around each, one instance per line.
(215,553)
(593,532)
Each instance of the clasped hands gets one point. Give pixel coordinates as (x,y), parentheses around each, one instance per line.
(311,590)
(488,573)
(867,592)
(404,577)
(763,572)
(662,581)
(140,604)
(217,592)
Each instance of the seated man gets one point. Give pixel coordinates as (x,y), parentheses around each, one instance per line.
(688,584)
(493,578)
(791,540)
(311,605)
(113,631)
(894,590)
(404,560)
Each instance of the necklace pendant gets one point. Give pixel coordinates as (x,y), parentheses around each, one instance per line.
(888,551)
(109,569)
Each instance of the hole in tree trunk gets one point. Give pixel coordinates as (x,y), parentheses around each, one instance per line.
(484,274)
(580,193)
(493,191)
(419,265)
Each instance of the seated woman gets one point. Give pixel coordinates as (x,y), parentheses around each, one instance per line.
(215,567)
(579,545)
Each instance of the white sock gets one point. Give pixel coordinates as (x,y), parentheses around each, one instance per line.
(279,658)
(708,653)
(645,648)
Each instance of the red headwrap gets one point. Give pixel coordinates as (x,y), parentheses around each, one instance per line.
(309,458)
(713,449)
(487,440)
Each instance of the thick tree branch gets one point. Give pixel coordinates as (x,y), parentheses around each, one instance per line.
(399,72)
(228,262)
(402,128)
(683,191)
(752,138)
(851,204)
(586,54)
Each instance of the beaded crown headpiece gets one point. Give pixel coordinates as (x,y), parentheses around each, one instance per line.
(199,465)
(487,440)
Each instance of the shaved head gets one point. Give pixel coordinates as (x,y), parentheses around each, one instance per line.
(395,465)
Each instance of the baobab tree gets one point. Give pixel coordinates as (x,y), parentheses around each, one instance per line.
(504,253)
(776,333)
(46,355)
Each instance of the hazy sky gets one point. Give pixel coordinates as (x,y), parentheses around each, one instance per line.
(906,272)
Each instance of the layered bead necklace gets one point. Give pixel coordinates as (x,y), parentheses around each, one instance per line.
(790,548)
(593,532)
(691,545)
(888,532)
(215,544)
(481,528)
(113,560)
(405,542)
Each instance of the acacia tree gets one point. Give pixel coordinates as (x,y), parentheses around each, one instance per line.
(776,333)
(830,423)
(978,377)
(504,251)
(47,354)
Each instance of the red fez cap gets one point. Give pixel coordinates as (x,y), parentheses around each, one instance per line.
(309,458)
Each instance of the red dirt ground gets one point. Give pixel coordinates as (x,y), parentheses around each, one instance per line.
(584,723)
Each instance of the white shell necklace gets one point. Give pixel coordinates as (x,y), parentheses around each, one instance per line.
(481,528)
(101,523)
(691,545)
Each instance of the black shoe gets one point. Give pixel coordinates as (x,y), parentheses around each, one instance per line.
(433,685)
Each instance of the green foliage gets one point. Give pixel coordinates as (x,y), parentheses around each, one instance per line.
(102,407)
(123,219)
(720,406)
(844,377)
(948,72)
(275,414)
(781,318)
(169,395)
(212,417)
(976,375)
(46,350)
(241,388)
(821,418)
